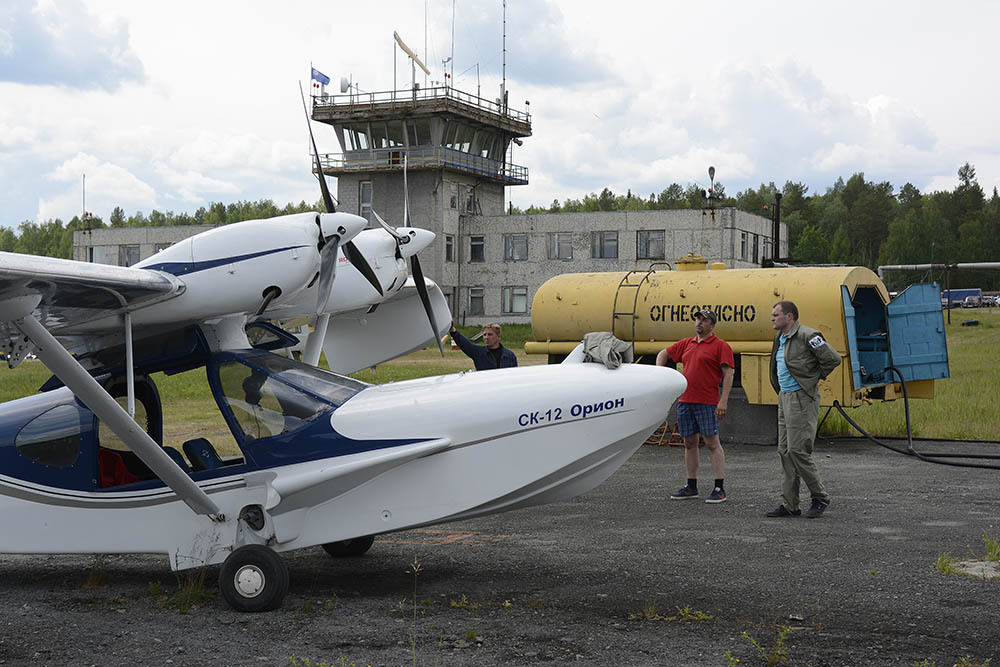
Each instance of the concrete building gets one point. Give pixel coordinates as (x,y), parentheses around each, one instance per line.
(455,148)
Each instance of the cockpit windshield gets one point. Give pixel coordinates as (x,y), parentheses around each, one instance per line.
(270,395)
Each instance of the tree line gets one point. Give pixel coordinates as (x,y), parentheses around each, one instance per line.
(854,222)
(53,238)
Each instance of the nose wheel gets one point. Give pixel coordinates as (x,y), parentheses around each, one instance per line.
(348,548)
(254,578)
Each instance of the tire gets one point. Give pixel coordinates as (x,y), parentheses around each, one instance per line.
(350,548)
(254,578)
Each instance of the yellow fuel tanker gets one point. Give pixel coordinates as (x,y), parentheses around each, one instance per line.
(849,305)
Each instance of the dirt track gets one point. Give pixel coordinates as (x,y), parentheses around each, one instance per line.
(595,581)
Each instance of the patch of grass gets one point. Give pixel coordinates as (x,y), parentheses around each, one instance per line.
(945,564)
(684,614)
(296,661)
(776,654)
(471,635)
(951,565)
(97,577)
(967,661)
(190,593)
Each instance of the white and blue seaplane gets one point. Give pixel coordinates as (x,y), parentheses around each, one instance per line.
(322,459)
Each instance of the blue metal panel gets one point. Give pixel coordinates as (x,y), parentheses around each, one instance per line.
(917,344)
(852,338)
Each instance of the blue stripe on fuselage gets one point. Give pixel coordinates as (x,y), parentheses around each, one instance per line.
(184,268)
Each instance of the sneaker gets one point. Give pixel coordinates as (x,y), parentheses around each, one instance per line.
(817,509)
(718,496)
(782,511)
(684,493)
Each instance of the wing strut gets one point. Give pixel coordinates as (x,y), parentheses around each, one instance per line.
(87,389)
(129,370)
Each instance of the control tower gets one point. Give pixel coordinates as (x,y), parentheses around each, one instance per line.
(456,147)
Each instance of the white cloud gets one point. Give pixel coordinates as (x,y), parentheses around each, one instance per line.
(623,95)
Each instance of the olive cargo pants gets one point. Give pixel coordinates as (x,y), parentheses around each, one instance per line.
(797,415)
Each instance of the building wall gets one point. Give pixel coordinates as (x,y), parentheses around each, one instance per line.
(109,241)
(684,231)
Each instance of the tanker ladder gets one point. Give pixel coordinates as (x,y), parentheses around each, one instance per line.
(625,284)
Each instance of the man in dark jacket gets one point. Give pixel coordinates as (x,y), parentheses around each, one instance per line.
(800,358)
(489,356)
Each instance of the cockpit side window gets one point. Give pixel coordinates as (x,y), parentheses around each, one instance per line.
(53,437)
(263,406)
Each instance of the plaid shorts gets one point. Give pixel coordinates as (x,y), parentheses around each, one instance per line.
(696,418)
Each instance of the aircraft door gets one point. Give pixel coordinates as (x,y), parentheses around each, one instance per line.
(917,342)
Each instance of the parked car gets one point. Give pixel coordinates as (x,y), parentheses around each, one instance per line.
(972,302)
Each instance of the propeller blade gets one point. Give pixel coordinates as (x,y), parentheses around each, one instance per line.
(327,197)
(418,280)
(361,264)
(387,227)
(406,198)
(327,271)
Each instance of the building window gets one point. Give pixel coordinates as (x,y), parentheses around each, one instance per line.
(128,255)
(470,201)
(161,246)
(449,247)
(477,248)
(767,249)
(97,254)
(476,306)
(756,245)
(515,247)
(604,245)
(649,244)
(560,245)
(453,197)
(515,300)
(743,246)
(365,200)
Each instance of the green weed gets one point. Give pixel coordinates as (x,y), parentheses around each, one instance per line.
(775,655)
(190,593)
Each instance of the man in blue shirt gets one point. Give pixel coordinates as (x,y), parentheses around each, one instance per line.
(489,356)
(800,358)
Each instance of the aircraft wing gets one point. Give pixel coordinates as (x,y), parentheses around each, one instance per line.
(396,326)
(62,293)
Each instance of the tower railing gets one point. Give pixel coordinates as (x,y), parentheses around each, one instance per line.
(423,157)
(411,100)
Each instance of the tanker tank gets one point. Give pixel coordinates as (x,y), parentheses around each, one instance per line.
(655,308)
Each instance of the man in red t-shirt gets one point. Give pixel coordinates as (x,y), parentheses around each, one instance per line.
(707,360)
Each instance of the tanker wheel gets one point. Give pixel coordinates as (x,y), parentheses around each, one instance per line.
(254,578)
(348,548)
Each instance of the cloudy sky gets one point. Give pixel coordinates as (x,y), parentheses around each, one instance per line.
(174,105)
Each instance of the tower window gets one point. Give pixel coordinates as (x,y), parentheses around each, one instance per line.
(449,247)
(649,244)
(365,200)
(560,245)
(477,248)
(476,305)
(128,255)
(515,300)
(604,245)
(515,247)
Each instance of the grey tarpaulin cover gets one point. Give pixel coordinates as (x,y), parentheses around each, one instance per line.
(602,347)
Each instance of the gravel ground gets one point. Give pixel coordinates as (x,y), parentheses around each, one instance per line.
(621,576)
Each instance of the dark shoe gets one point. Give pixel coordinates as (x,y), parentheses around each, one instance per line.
(782,511)
(684,493)
(817,509)
(718,496)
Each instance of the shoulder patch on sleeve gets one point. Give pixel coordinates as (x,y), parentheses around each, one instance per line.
(816,342)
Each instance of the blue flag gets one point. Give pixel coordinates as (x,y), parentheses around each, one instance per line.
(319,76)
